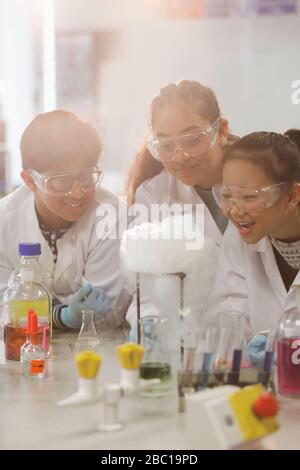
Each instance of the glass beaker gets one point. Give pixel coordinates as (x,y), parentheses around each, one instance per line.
(87,339)
(156,361)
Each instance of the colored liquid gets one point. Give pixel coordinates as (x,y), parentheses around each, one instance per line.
(288,350)
(155,370)
(34,368)
(19,309)
(15,337)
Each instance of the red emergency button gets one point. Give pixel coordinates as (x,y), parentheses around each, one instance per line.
(265,406)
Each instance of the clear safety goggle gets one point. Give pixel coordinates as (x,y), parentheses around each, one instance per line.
(248,199)
(62,184)
(192,144)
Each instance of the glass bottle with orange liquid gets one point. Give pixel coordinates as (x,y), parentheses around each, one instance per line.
(20,297)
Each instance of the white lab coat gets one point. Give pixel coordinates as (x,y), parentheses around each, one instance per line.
(82,255)
(166,188)
(248,280)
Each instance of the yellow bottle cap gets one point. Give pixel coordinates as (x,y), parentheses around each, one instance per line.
(88,364)
(130,355)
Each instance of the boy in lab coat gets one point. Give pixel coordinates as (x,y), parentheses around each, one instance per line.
(57,206)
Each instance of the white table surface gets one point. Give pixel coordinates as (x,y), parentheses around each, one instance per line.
(30,418)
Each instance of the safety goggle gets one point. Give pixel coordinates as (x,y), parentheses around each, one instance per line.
(192,144)
(61,184)
(248,199)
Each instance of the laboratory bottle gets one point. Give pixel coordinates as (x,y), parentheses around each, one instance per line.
(18,299)
(33,354)
(156,362)
(29,260)
(87,339)
(288,351)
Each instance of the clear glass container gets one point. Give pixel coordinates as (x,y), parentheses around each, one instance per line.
(156,362)
(288,354)
(19,298)
(33,354)
(33,360)
(29,259)
(88,338)
(230,343)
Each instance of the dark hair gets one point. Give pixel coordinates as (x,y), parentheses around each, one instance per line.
(294,135)
(199,96)
(205,103)
(58,129)
(276,154)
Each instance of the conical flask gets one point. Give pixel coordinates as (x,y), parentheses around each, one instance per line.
(87,339)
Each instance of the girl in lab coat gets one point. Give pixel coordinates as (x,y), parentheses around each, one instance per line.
(182,159)
(58,207)
(183,156)
(260,255)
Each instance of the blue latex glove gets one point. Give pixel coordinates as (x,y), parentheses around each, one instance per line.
(148,333)
(98,301)
(86,298)
(256,350)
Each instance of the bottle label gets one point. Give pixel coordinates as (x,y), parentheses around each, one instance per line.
(37,366)
(296,354)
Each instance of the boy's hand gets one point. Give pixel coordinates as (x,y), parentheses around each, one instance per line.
(98,301)
(86,298)
(71,315)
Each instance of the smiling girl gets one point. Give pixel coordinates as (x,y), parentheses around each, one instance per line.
(183,157)
(260,255)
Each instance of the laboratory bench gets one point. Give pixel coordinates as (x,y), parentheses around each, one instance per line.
(31,419)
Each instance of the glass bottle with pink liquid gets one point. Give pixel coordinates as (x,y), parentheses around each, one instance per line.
(19,299)
(288,351)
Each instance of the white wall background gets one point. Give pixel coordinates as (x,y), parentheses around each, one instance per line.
(249,62)
(17,74)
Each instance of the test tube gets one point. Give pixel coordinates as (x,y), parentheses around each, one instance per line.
(238,334)
(231,338)
(221,358)
(190,340)
(265,374)
(207,348)
(181,277)
(233,375)
(138,308)
(209,341)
